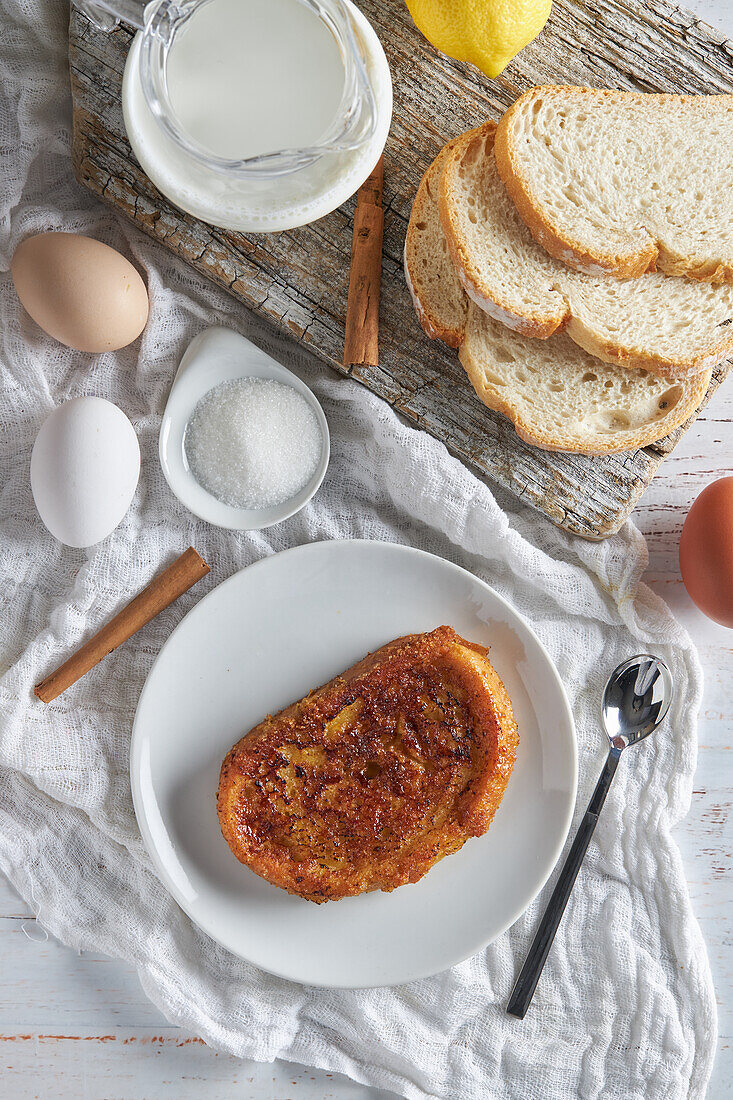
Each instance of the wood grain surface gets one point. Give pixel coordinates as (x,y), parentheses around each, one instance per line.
(299,280)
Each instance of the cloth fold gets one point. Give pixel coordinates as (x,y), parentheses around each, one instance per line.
(625,1007)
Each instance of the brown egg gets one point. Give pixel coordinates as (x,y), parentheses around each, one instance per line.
(706,551)
(80,291)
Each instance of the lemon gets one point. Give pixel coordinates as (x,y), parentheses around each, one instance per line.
(487,33)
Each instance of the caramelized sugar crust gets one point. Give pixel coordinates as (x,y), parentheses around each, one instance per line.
(371,779)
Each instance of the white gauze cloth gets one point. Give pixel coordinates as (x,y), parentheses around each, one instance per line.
(616,1015)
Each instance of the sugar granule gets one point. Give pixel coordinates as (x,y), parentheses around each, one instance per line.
(253,442)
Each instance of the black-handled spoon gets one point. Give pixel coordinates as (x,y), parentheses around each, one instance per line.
(636,699)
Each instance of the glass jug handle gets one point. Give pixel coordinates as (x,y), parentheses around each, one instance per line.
(106,14)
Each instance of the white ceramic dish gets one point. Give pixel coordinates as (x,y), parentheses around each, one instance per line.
(219,355)
(267,636)
(248,206)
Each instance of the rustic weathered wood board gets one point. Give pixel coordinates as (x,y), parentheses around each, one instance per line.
(299,280)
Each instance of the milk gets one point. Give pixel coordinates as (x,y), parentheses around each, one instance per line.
(247,77)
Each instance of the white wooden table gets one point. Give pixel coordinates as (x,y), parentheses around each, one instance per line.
(74,1026)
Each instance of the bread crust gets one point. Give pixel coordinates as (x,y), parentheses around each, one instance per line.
(368,781)
(648,254)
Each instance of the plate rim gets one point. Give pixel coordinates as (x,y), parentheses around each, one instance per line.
(159,865)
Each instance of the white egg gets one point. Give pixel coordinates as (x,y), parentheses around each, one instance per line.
(84,470)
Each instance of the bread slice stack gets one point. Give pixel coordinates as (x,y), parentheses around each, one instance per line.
(593,327)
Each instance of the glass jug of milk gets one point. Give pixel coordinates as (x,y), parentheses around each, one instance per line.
(253,115)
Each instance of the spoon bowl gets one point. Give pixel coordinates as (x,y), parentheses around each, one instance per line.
(636,699)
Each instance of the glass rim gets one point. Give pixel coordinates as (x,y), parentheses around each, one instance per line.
(354,122)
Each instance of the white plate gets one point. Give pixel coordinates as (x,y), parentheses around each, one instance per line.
(266,637)
(246,205)
(219,355)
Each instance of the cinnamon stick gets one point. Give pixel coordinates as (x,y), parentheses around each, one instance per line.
(361,344)
(159,594)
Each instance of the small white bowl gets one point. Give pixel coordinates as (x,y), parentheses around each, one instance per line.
(214,356)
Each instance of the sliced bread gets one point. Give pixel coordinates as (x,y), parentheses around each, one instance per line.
(674,327)
(624,182)
(561,398)
(439,299)
(557,395)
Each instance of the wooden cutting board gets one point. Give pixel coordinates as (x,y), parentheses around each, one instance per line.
(298,280)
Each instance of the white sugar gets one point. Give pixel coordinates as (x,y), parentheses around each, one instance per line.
(253,442)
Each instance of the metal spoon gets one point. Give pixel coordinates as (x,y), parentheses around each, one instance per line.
(636,699)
